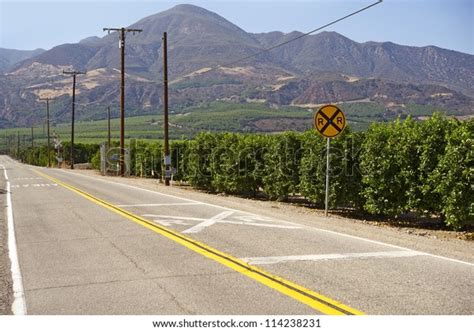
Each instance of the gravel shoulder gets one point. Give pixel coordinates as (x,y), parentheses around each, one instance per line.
(450,244)
(6,290)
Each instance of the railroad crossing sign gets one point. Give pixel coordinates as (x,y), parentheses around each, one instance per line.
(329,121)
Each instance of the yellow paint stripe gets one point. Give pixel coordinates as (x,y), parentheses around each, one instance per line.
(315,300)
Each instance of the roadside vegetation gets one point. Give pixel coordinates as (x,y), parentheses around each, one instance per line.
(424,168)
(217,116)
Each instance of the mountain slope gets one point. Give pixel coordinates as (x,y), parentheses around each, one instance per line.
(9,57)
(326,67)
(332,52)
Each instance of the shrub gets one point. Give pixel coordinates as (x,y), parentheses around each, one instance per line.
(313,168)
(388,165)
(455,176)
(282,162)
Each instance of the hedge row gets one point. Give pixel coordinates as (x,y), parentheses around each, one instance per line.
(423,167)
(38,155)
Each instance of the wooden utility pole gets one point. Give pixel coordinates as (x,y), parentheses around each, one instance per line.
(48,123)
(74,74)
(165,110)
(32,137)
(122,32)
(17,144)
(108,128)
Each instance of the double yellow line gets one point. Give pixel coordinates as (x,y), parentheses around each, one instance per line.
(315,300)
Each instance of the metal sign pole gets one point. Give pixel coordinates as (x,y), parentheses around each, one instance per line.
(329,121)
(327,178)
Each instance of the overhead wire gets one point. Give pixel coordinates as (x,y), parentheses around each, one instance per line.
(294,39)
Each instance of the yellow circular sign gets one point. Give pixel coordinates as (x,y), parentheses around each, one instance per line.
(329,121)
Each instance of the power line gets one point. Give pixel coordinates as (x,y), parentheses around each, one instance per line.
(294,39)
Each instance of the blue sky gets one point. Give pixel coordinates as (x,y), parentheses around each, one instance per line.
(444,23)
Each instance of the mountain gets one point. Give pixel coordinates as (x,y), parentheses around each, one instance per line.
(9,57)
(326,67)
(330,51)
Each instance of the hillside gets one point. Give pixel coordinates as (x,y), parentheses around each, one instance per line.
(10,57)
(326,67)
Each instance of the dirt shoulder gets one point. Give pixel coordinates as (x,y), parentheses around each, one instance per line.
(6,289)
(450,244)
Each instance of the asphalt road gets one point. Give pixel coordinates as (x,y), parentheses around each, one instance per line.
(90,245)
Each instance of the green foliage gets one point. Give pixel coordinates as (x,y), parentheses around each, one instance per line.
(431,149)
(245,166)
(313,168)
(282,163)
(200,160)
(179,159)
(388,164)
(455,176)
(422,167)
(226,162)
(38,155)
(345,177)
(95,161)
(146,158)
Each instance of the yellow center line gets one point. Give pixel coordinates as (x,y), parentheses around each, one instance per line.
(299,293)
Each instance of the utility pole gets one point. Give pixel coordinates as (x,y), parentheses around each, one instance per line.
(32,137)
(17,144)
(47,121)
(108,127)
(122,32)
(74,74)
(165,108)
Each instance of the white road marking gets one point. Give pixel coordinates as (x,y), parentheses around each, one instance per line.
(390,245)
(258,218)
(161,204)
(33,185)
(199,227)
(263,225)
(236,210)
(19,303)
(168,219)
(324,257)
(168,222)
(176,217)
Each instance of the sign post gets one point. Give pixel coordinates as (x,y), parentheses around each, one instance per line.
(326,199)
(329,121)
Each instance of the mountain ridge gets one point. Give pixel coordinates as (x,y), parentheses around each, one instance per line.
(199,39)
(9,57)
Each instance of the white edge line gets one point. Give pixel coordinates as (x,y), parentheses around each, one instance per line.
(19,303)
(231,209)
(325,257)
(160,204)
